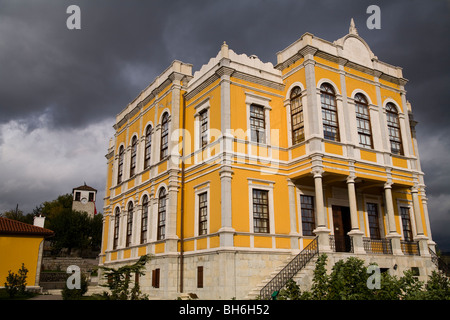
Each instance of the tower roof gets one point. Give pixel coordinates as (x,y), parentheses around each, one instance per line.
(84,188)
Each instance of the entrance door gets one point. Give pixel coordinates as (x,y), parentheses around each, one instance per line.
(342,225)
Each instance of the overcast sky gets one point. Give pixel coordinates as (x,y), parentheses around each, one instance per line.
(60,89)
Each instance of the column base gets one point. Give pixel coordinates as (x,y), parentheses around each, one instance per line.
(357,239)
(324,238)
(423,245)
(395,241)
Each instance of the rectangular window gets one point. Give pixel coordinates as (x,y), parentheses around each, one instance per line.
(363,123)
(199,277)
(129,228)
(116,230)
(203,128)
(406,223)
(77,196)
(329,117)
(155,278)
(308,216)
(91,196)
(257,124)
(161,218)
(260,211)
(203,213)
(374,224)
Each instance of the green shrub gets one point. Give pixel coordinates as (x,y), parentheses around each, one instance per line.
(16,283)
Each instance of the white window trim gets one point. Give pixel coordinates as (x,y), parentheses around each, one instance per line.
(204,105)
(204,187)
(409,204)
(381,220)
(252,98)
(267,186)
(310,193)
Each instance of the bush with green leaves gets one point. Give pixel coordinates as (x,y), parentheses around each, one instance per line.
(119,281)
(16,283)
(348,281)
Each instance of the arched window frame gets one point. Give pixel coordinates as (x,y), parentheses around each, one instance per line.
(116,228)
(144,219)
(363,122)
(393,124)
(164,150)
(330,120)
(297,120)
(133,156)
(162,214)
(120,164)
(148,147)
(129,238)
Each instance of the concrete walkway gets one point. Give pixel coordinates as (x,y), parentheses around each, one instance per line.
(47,297)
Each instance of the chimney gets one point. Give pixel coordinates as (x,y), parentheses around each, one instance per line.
(39,221)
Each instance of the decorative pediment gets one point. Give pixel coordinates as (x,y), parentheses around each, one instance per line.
(354,48)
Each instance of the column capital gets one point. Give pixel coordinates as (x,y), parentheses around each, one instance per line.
(317,172)
(351,178)
(388,185)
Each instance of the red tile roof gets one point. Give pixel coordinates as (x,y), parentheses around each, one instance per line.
(84,188)
(8,226)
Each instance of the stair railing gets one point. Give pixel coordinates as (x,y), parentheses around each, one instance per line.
(440,264)
(290,270)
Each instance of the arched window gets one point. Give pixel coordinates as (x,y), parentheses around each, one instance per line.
(116,228)
(329,112)
(120,167)
(148,147)
(363,121)
(164,136)
(129,224)
(133,156)
(393,124)
(144,219)
(161,214)
(298,131)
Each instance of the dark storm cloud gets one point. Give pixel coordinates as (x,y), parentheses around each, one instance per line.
(56,82)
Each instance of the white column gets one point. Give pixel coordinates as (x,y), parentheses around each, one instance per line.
(292,216)
(420,237)
(321,231)
(226,231)
(171,215)
(356,234)
(393,235)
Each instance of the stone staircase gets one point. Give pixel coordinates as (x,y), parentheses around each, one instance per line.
(303,278)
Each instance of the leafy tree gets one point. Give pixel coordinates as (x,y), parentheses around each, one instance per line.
(411,286)
(18,215)
(16,283)
(119,281)
(389,288)
(73,229)
(437,287)
(348,281)
(320,282)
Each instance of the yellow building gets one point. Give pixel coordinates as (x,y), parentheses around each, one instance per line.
(21,243)
(226,174)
